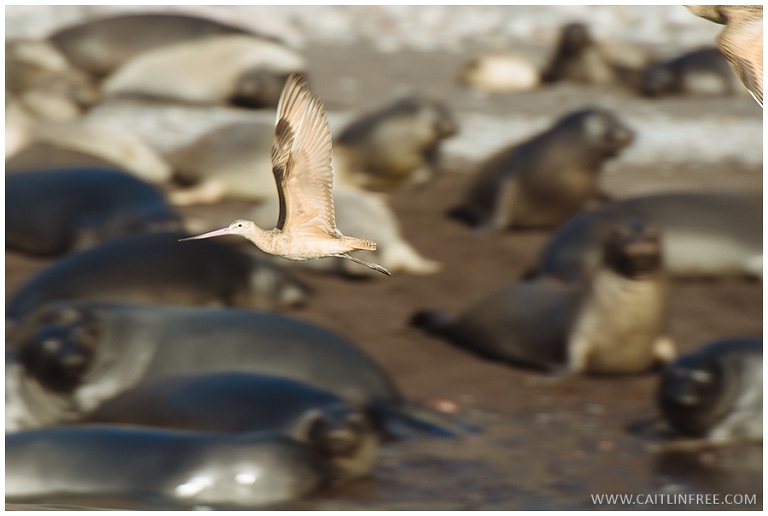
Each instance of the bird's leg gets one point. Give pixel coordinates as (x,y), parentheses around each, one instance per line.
(373,266)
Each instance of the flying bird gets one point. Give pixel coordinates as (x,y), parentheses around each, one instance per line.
(741,41)
(301,162)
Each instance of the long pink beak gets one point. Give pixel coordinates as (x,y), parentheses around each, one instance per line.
(217,232)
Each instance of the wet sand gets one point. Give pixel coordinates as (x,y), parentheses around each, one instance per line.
(545,444)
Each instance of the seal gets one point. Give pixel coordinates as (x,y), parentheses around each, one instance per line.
(703,72)
(81,142)
(499,72)
(250,72)
(613,323)
(78,354)
(704,234)
(359,212)
(546,179)
(716,392)
(101,46)
(341,434)
(46,84)
(50,212)
(246,470)
(155,268)
(395,147)
(18,126)
(232,161)
(578,58)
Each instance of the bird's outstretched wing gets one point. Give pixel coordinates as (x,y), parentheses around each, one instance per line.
(301,162)
(741,41)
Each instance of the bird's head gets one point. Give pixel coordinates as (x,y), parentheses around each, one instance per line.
(239,227)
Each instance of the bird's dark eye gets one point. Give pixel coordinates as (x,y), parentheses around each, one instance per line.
(240,225)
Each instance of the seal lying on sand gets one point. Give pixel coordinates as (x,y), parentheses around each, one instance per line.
(716,392)
(359,212)
(499,72)
(546,179)
(156,268)
(43,80)
(238,69)
(704,234)
(79,142)
(395,147)
(78,354)
(181,468)
(612,323)
(232,161)
(50,212)
(578,58)
(100,46)
(247,402)
(701,72)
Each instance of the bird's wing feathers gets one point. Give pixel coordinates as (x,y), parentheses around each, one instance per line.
(301,162)
(741,42)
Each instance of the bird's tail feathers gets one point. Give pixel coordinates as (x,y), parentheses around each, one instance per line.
(361,244)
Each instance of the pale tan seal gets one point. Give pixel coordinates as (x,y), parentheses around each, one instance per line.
(499,72)
(45,82)
(612,323)
(395,147)
(44,143)
(232,161)
(237,69)
(546,179)
(102,45)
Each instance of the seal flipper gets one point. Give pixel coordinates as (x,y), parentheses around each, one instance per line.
(430,321)
(410,419)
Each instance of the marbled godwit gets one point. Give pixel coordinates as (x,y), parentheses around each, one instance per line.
(301,162)
(741,41)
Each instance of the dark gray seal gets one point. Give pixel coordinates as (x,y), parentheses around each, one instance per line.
(716,392)
(156,268)
(40,154)
(704,234)
(101,46)
(181,468)
(579,58)
(701,72)
(78,354)
(613,323)
(395,147)
(50,212)
(246,402)
(546,179)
